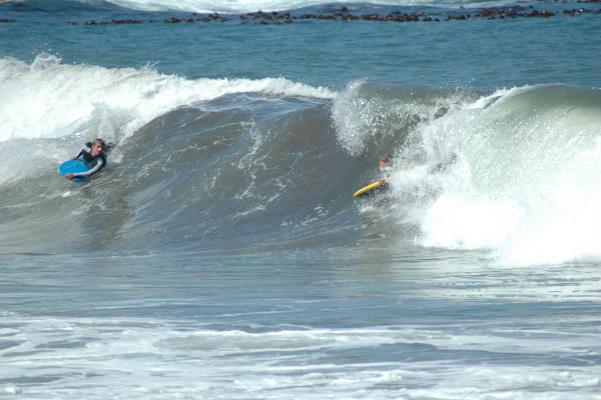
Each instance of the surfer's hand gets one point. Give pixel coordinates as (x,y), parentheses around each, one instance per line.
(69,176)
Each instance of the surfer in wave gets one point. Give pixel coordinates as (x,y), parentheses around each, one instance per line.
(384,164)
(93,154)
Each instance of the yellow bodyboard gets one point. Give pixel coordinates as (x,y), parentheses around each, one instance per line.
(367,188)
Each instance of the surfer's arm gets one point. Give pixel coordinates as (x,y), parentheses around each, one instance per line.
(76,156)
(80,152)
(93,170)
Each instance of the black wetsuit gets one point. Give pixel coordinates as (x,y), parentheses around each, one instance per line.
(95,163)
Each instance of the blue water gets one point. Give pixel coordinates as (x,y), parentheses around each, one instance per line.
(221,254)
(478,54)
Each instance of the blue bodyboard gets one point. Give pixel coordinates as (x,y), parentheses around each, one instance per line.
(72,167)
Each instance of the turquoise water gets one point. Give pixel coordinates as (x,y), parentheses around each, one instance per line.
(478,54)
(220,254)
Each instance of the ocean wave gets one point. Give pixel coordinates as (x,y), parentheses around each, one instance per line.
(263,164)
(233,138)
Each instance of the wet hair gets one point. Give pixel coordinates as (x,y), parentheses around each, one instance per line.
(101,143)
(106,147)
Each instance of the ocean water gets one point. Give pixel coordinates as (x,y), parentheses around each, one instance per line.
(221,255)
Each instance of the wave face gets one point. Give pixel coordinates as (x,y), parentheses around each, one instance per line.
(197,158)
(233,165)
(244,6)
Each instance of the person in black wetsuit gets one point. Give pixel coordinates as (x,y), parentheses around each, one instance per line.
(93,153)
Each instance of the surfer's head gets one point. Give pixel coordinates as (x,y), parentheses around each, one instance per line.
(384,162)
(98,147)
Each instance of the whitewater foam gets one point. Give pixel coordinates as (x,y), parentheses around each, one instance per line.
(118,357)
(515,172)
(522,180)
(55,99)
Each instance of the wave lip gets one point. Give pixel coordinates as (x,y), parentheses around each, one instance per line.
(53,96)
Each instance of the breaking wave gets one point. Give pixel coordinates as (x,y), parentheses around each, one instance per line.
(240,165)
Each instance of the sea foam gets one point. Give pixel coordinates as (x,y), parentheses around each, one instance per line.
(48,99)
(522,176)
